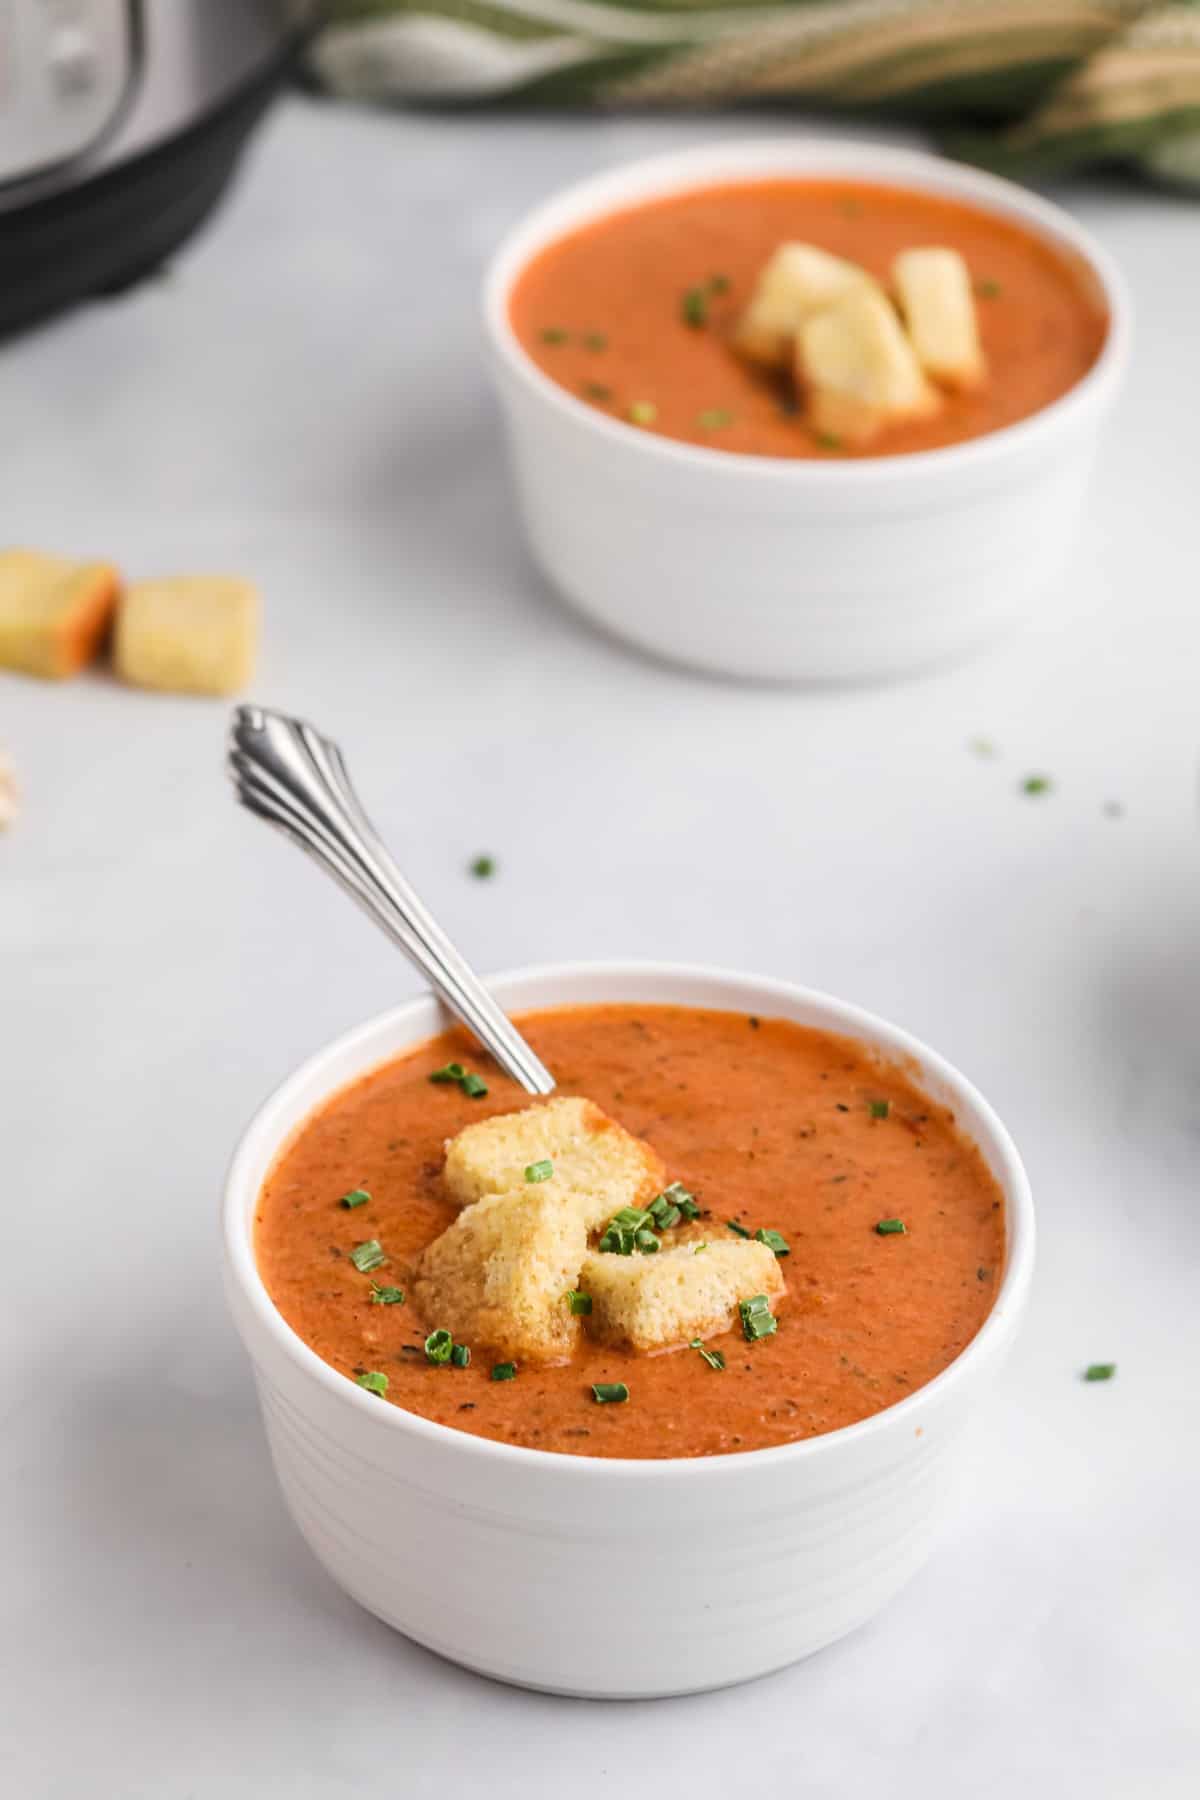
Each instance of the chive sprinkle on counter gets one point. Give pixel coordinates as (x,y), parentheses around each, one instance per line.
(1099,1371)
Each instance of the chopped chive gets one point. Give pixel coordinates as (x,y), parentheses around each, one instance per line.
(483,867)
(579,1304)
(1099,1371)
(553,334)
(714,1358)
(891,1228)
(1036,784)
(667,1219)
(634,1217)
(473,1086)
(758,1321)
(679,1196)
(595,340)
(988,288)
(647,1243)
(460,1356)
(386,1296)
(697,1248)
(596,390)
(356,1197)
(738,1230)
(643,412)
(610,1393)
(617,1241)
(374,1380)
(539,1171)
(439,1345)
(451,1073)
(827,440)
(694,307)
(504,1371)
(775,1241)
(879,1109)
(718,284)
(367,1256)
(714,418)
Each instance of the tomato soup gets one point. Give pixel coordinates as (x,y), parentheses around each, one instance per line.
(771,1126)
(634,312)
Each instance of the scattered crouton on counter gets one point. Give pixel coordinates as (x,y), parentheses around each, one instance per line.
(859,370)
(799,280)
(690,1291)
(500,1274)
(598,1160)
(8,793)
(933,287)
(191,634)
(54,613)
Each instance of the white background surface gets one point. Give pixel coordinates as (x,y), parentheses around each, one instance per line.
(302,401)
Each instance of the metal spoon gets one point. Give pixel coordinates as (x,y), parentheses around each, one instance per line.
(289,775)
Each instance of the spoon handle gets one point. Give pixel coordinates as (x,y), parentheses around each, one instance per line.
(289,775)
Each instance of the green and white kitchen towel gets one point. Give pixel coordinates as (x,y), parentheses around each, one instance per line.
(1026,86)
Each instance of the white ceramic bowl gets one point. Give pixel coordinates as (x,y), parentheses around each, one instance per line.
(797,570)
(518,1562)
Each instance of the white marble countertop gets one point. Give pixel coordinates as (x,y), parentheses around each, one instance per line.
(303,401)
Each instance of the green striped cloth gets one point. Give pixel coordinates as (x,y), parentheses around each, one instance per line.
(1030,87)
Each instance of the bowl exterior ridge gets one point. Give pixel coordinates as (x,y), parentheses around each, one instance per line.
(518,1562)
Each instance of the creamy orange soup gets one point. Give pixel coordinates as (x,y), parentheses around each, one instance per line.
(605,311)
(769,1125)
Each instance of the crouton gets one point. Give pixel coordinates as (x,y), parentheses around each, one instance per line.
(193,634)
(690,1291)
(500,1275)
(859,370)
(53,613)
(798,281)
(934,291)
(592,1155)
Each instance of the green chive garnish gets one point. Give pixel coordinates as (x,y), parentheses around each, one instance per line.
(596,390)
(647,1243)
(774,1241)
(438,1346)
(988,288)
(643,412)
(553,334)
(473,1086)
(714,1358)
(539,1171)
(483,867)
(452,1072)
(367,1256)
(634,1217)
(738,1230)
(678,1195)
(879,1109)
(579,1304)
(595,340)
(1036,784)
(374,1380)
(1099,1371)
(460,1356)
(356,1197)
(891,1227)
(504,1371)
(694,307)
(758,1321)
(714,418)
(610,1393)
(386,1296)
(828,440)
(667,1218)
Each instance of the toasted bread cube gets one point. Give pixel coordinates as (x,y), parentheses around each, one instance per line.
(859,370)
(193,634)
(53,613)
(798,281)
(598,1159)
(934,290)
(500,1275)
(690,1291)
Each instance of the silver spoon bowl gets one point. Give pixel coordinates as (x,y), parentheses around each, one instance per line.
(287,773)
